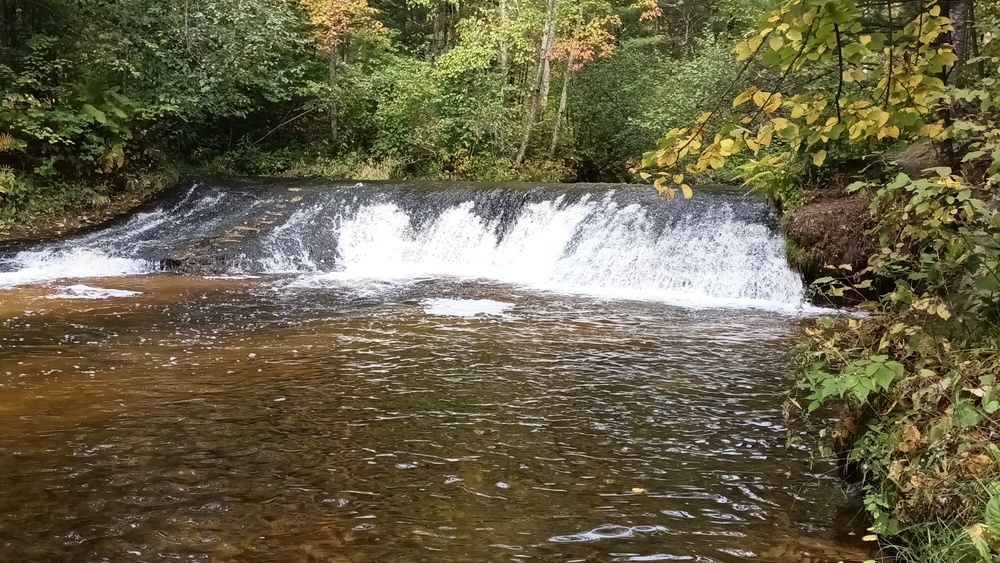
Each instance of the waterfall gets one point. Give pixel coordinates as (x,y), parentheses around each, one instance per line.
(611,240)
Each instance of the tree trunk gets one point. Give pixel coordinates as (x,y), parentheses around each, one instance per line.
(504,60)
(541,79)
(334,110)
(962,37)
(567,77)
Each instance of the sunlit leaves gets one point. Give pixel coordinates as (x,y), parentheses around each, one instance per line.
(335,19)
(886,86)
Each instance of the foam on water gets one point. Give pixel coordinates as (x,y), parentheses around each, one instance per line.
(80,291)
(50,264)
(466,307)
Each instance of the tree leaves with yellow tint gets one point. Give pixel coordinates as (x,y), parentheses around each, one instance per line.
(744,97)
(774,104)
(727,147)
(659,184)
(686,189)
(819,157)
(891,132)
(934,130)
(764,136)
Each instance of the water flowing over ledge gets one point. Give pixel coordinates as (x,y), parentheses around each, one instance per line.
(719,249)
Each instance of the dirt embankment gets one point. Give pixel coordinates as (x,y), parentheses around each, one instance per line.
(48,226)
(832,228)
(828,232)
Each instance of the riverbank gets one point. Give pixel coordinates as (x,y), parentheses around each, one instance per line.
(38,213)
(914,381)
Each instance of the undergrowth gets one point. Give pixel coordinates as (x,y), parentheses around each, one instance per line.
(915,380)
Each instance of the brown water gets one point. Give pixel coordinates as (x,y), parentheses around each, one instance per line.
(248,420)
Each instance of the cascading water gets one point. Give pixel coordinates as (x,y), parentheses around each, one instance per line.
(619,241)
(410,372)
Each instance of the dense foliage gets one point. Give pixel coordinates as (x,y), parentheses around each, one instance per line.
(100,97)
(838,83)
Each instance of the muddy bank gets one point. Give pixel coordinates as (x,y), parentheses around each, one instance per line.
(828,232)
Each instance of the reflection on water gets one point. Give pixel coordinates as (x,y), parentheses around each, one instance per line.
(250,420)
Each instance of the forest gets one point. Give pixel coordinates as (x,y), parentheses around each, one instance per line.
(100,97)
(872,126)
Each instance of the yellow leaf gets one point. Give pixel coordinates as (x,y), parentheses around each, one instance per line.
(774,103)
(678,178)
(933,130)
(776,41)
(744,97)
(819,158)
(726,147)
(668,158)
(687,191)
(638,490)
(765,134)
(892,132)
(760,98)
(645,175)
(978,531)
(943,312)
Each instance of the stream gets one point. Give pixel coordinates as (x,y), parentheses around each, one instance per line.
(263,370)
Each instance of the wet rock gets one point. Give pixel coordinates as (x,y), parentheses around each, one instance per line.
(204,264)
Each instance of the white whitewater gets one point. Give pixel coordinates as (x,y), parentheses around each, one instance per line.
(593,246)
(606,243)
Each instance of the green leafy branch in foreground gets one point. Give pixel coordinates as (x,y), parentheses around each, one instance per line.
(915,381)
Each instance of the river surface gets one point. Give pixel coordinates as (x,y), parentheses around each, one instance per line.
(348,415)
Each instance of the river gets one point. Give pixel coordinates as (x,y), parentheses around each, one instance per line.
(286,371)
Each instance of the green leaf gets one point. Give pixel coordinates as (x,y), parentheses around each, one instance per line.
(992,515)
(966,414)
(94,113)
